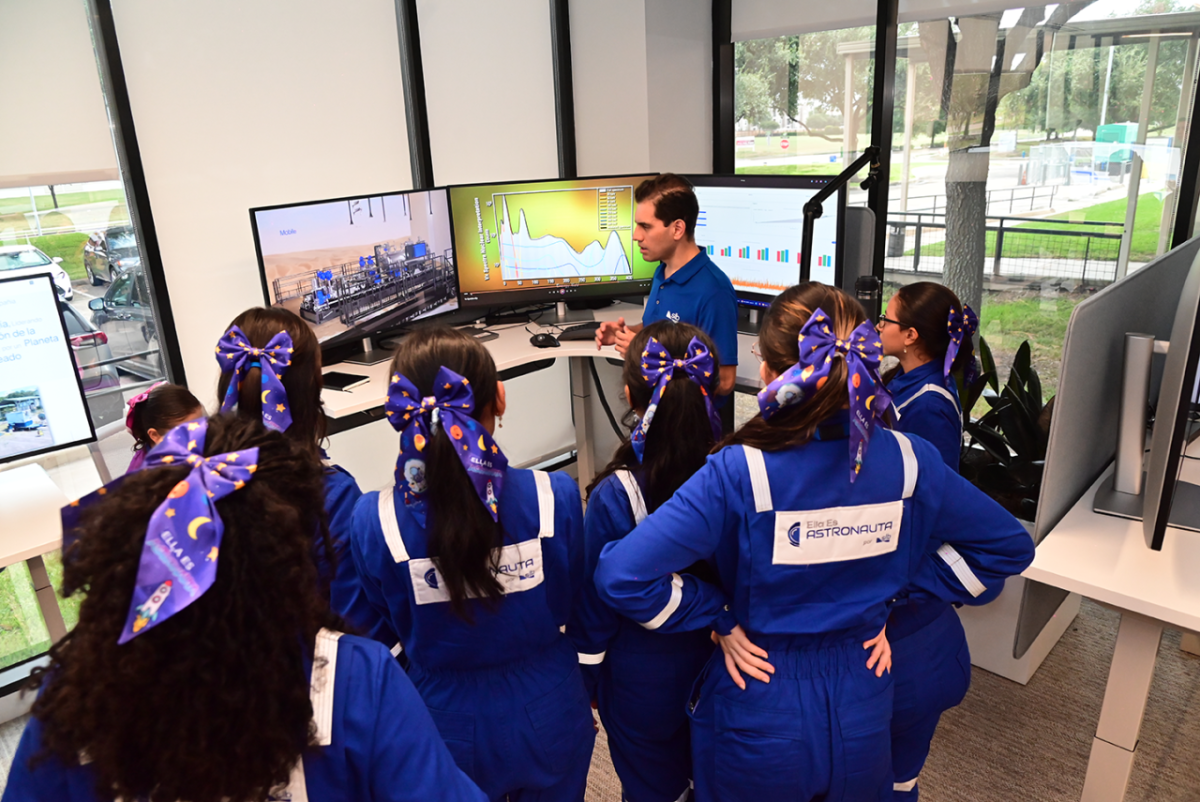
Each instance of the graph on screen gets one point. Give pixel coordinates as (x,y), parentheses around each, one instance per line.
(523,256)
(753,234)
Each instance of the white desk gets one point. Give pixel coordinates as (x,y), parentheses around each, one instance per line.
(1106,559)
(32,527)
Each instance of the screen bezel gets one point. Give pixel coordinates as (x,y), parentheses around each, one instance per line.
(525,297)
(75,368)
(354,332)
(1171,416)
(751,180)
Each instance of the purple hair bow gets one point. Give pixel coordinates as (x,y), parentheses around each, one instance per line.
(962,326)
(818,346)
(235,353)
(179,556)
(658,367)
(417,418)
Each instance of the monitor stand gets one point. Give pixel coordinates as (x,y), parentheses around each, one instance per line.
(1185,507)
(1124,493)
(563,315)
(369,355)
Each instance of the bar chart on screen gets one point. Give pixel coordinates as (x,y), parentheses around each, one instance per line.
(753,235)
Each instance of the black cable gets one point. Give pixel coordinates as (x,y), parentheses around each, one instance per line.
(604,401)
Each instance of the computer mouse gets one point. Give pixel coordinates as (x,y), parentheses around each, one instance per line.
(543,341)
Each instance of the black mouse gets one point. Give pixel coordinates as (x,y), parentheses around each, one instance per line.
(543,341)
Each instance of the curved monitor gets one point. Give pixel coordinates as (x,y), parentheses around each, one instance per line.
(520,243)
(354,267)
(42,405)
(752,225)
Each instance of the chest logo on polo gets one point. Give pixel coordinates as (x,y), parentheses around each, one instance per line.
(673,317)
(837,534)
(517,567)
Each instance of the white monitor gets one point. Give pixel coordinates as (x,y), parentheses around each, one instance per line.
(751,226)
(42,406)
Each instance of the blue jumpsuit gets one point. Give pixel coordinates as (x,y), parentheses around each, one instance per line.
(377,742)
(640,679)
(809,585)
(346,595)
(931,665)
(505,692)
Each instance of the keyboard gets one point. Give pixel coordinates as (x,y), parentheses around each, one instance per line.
(579,331)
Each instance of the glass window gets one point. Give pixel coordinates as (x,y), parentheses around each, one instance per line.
(1036,150)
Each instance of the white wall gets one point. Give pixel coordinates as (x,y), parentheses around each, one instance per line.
(643,85)
(55,128)
(489,89)
(250,104)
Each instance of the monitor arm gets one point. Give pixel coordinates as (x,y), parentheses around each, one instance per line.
(813,209)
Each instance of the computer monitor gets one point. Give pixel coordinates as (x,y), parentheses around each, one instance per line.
(354,267)
(1170,501)
(42,405)
(751,227)
(564,240)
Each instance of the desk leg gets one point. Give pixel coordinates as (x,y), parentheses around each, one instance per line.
(47,599)
(1115,744)
(1190,643)
(581,392)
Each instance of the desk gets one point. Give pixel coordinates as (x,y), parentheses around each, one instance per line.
(510,350)
(31,503)
(1106,559)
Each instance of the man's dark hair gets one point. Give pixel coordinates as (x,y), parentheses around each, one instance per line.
(673,198)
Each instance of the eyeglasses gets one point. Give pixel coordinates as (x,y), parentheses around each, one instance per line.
(884,320)
(754,349)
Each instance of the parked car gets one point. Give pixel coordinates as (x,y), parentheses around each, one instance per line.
(26,260)
(108,254)
(126,317)
(89,345)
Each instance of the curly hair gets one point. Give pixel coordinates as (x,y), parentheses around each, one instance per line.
(212,704)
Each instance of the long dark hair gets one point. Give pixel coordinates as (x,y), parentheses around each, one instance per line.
(212,704)
(777,341)
(302,380)
(164,408)
(680,438)
(926,306)
(462,536)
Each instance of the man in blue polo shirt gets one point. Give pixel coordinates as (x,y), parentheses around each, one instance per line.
(687,286)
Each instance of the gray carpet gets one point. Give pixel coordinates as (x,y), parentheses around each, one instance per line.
(1008,742)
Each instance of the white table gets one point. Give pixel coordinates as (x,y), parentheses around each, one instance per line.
(1106,559)
(512,349)
(33,526)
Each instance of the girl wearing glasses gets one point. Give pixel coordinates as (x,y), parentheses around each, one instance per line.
(930,332)
(815,517)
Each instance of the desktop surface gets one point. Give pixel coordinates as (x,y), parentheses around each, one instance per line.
(1106,559)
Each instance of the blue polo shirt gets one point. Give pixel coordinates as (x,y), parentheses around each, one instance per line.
(700,294)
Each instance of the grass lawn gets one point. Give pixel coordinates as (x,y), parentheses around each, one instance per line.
(20,205)
(810,169)
(68,246)
(1146,226)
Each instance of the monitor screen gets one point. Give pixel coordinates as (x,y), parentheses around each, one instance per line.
(751,227)
(547,241)
(42,406)
(358,266)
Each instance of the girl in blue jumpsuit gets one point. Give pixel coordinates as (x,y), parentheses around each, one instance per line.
(216,699)
(929,330)
(476,565)
(639,678)
(271,368)
(812,534)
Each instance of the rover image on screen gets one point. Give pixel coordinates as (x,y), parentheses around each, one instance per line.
(361,265)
